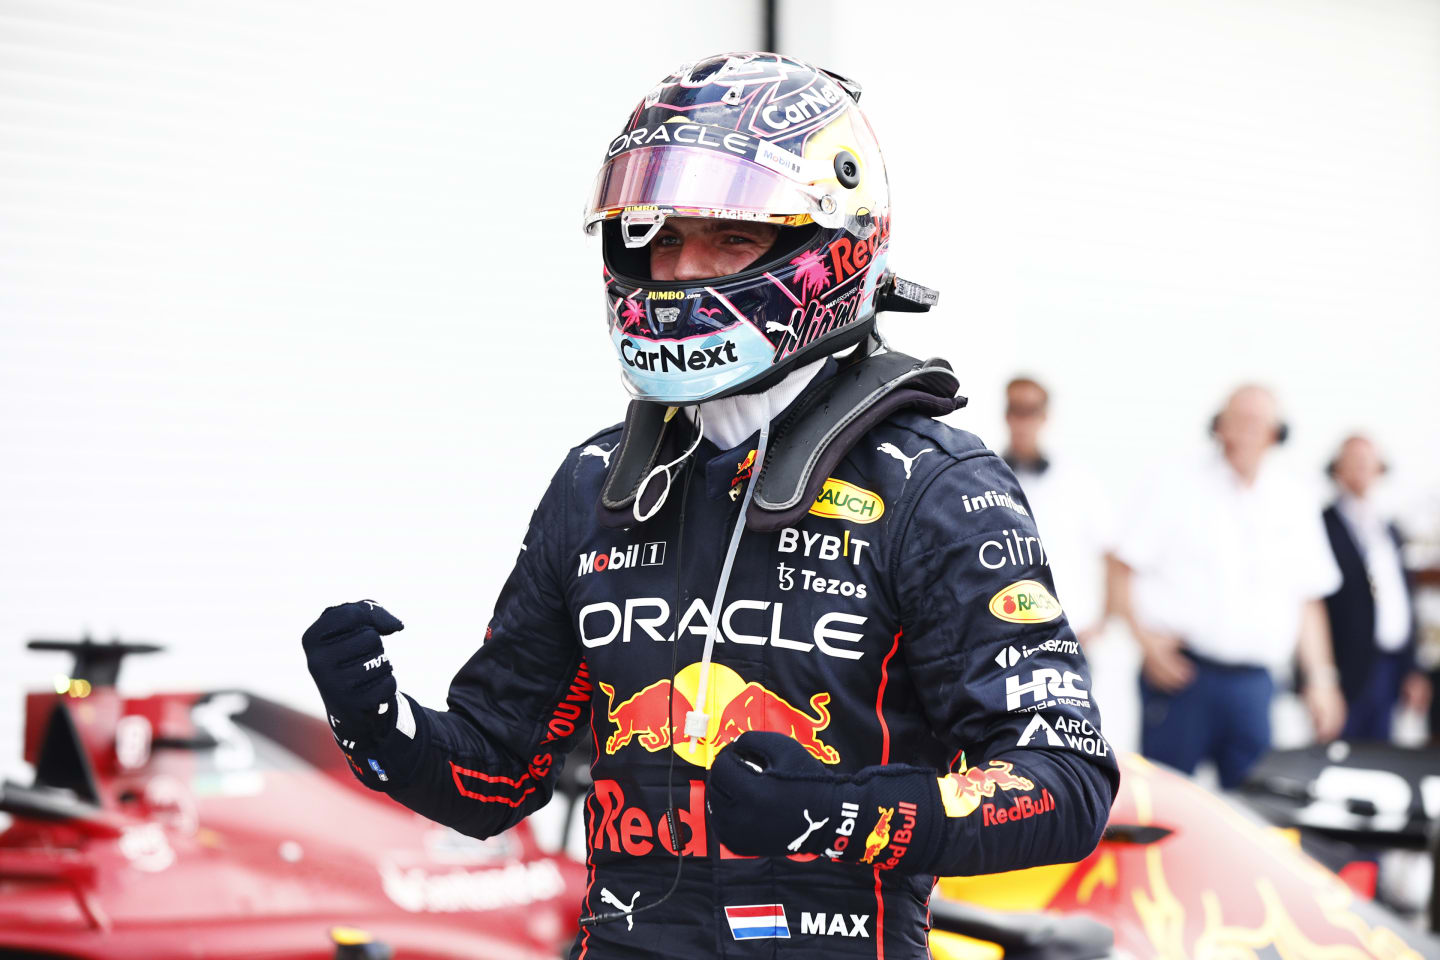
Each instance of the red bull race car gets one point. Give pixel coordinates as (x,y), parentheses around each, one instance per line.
(225,825)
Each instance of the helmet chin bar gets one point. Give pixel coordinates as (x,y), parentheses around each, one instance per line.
(650,220)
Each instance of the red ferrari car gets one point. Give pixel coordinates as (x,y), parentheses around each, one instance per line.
(225,825)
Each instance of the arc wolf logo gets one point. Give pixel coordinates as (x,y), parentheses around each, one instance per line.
(1038,725)
(654,717)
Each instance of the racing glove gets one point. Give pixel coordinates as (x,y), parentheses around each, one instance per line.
(768,796)
(348,662)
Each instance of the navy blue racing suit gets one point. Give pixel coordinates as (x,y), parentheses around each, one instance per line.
(908,618)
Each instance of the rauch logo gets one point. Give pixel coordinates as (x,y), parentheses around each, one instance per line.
(845,501)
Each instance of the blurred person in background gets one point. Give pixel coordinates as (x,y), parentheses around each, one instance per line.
(1372,615)
(1221,578)
(783,643)
(1076,510)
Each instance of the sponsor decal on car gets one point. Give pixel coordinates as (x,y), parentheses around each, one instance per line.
(1025,601)
(520,884)
(841,500)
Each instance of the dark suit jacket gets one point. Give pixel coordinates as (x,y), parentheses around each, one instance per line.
(1352,609)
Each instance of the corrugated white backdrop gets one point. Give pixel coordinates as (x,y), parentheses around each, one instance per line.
(294,306)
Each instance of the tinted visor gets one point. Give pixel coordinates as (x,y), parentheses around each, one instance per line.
(688,179)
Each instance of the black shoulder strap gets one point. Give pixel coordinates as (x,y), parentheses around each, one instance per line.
(639,450)
(806,444)
(821,429)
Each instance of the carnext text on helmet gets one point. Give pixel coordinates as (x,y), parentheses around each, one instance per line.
(678,356)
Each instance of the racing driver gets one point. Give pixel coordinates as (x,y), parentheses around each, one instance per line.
(807,630)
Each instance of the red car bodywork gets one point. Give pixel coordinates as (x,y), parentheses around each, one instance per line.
(237,831)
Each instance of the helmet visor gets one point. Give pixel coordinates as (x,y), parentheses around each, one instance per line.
(698,182)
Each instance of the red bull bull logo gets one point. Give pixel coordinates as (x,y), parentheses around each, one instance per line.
(643,717)
(654,717)
(879,837)
(962,792)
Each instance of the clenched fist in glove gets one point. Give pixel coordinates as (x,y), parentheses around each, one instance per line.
(769,797)
(348,661)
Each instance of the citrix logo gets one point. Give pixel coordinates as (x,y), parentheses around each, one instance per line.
(650,554)
(1012,548)
(676,356)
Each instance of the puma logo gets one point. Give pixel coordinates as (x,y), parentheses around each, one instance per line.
(594,450)
(898,454)
(799,841)
(607,897)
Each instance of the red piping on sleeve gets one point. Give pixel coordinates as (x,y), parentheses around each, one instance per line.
(880,700)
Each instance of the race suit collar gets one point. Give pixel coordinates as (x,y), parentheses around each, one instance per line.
(733,421)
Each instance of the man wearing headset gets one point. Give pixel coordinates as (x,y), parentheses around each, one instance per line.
(1221,580)
(802,663)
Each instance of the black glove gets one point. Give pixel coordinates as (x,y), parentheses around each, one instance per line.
(348,661)
(768,796)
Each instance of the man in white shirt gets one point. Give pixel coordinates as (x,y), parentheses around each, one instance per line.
(1079,525)
(1220,578)
(1373,623)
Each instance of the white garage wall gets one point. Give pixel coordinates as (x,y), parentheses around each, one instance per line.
(1145,203)
(294,307)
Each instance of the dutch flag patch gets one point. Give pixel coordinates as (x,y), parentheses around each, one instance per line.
(758,922)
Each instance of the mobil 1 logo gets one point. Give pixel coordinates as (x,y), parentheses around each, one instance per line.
(650,554)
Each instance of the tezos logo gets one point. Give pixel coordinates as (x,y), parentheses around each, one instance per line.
(650,554)
(1025,601)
